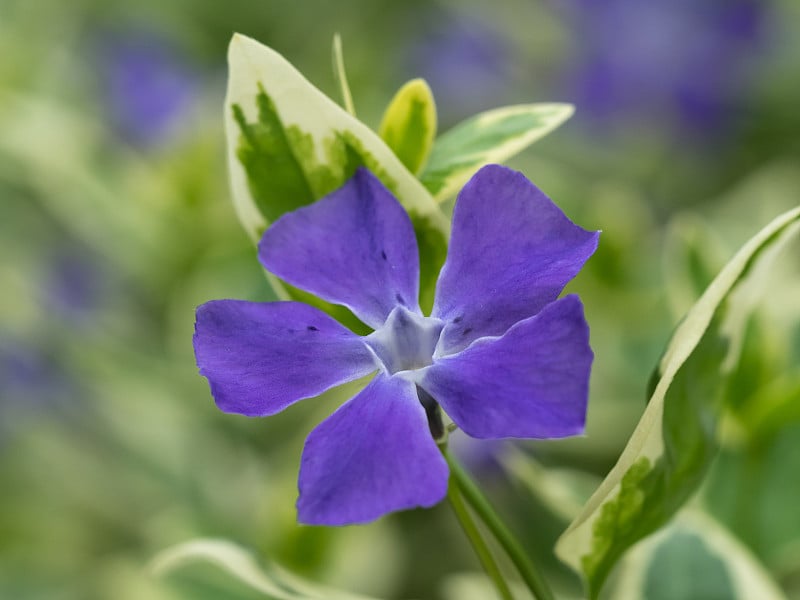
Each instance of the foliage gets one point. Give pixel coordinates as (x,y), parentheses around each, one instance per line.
(110,449)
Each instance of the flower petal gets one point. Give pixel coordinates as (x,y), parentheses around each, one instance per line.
(512,252)
(533,382)
(372,456)
(261,357)
(355,247)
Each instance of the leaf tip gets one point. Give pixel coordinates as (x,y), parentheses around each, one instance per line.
(417,85)
(562,112)
(238,39)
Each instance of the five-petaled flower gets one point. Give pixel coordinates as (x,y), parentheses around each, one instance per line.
(500,353)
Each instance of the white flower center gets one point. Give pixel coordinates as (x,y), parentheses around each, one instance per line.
(406,341)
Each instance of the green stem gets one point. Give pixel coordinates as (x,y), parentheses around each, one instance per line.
(530,575)
(478,543)
(341,76)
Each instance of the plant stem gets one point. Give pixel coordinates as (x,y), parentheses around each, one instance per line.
(341,76)
(530,575)
(478,543)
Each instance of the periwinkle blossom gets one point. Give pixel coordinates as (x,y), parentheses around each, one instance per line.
(499,353)
(149,88)
(32,383)
(78,285)
(482,458)
(684,59)
(465,60)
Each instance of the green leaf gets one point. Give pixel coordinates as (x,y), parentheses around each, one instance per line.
(272,581)
(277,179)
(409,124)
(670,451)
(490,137)
(477,586)
(695,557)
(289,144)
(563,491)
(754,491)
(692,255)
(775,405)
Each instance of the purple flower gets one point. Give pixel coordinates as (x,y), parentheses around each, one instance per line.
(466,62)
(500,353)
(681,59)
(481,457)
(32,383)
(150,89)
(78,285)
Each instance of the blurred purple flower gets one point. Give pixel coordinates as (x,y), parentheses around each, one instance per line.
(481,457)
(77,285)
(149,87)
(500,353)
(680,59)
(30,380)
(25,370)
(466,63)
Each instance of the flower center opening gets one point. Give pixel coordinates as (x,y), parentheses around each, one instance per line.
(406,341)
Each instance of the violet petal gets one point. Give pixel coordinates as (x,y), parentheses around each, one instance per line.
(261,357)
(372,456)
(533,382)
(512,252)
(354,247)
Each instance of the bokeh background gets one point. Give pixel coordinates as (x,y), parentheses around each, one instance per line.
(116,222)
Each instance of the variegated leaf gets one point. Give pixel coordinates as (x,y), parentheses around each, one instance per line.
(272,581)
(490,137)
(409,124)
(675,440)
(289,144)
(695,557)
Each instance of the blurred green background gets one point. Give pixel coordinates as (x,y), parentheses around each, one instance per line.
(116,222)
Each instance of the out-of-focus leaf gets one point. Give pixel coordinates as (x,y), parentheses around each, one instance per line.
(41,135)
(695,557)
(773,407)
(490,137)
(125,580)
(562,491)
(671,448)
(409,124)
(753,490)
(477,586)
(289,144)
(691,257)
(274,582)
